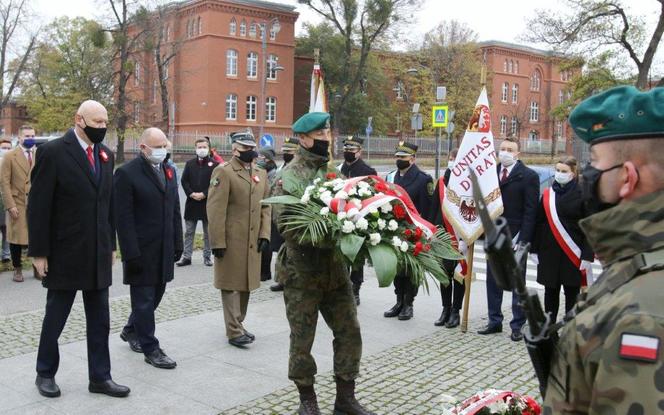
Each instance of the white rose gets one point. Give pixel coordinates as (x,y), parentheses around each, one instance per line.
(373,209)
(381,224)
(305,198)
(309,189)
(347,227)
(392,225)
(404,246)
(352,212)
(363,185)
(325,211)
(317,180)
(362,224)
(364,192)
(341,195)
(341,215)
(374,238)
(386,208)
(396,242)
(356,202)
(352,191)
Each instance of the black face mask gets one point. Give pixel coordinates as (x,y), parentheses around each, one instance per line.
(349,156)
(590,186)
(288,157)
(96,135)
(320,148)
(403,164)
(248,156)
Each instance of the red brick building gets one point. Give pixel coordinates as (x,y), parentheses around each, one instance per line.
(12,117)
(525,85)
(214,80)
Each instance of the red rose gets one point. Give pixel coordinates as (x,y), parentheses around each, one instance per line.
(533,406)
(169,174)
(418,233)
(399,212)
(331,176)
(380,187)
(418,248)
(103,156)
(427,247)
(408,233)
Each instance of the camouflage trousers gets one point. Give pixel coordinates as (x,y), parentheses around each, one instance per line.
(338,309)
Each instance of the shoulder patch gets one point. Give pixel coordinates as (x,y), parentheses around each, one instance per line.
(639,347)
(214,183)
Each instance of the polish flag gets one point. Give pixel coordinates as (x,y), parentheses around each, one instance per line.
(634,346)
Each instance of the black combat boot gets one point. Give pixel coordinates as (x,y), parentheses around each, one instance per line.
(454,320)
(396,309)
(308,401)
(407,309)
(346,404)
(444,317)
(356,293)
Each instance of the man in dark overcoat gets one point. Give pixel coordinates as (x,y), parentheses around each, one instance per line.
(72,243)
(147,208)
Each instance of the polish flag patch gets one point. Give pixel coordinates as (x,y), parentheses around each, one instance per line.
(639,347)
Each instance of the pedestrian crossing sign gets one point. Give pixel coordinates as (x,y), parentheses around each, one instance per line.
(439,116)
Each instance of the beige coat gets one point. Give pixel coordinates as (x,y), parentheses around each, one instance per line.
(15,186)
(236,220)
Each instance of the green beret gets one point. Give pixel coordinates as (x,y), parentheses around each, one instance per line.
(311,122)
(620,113)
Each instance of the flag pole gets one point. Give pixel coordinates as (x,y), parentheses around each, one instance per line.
(467,281)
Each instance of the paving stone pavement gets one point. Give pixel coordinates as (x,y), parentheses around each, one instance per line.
(19,333)
(422,376)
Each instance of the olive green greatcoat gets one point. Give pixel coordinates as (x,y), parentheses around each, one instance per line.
(236,220)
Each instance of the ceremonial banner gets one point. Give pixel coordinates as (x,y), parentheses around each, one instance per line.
(318,98)
(476,153)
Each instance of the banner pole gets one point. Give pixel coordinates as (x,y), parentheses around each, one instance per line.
(466,284)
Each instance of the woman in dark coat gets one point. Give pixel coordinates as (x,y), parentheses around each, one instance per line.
(555,268)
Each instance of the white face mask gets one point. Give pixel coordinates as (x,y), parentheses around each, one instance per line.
(450,164)
(202,152)
(563,178)
(158,155)
(506,158)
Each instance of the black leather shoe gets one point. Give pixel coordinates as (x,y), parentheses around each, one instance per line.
(184,262)
(250,335)
(158,359)
(395,310)
(109,388)
(131,339)
(444,317)
(277,287)
(454,320)
(516,336)
(406,313)
(207,262)
(240,341)
(47,387)
(491,330)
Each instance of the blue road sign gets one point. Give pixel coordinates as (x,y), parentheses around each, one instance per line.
(267,140)
(369,130)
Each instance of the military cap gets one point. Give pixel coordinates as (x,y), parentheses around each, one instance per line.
(620,113)
(267,152)
(290,145)
(353,141)
(405,149)
(311,122)
(246,138)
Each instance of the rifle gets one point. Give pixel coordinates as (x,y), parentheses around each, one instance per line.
(508,265)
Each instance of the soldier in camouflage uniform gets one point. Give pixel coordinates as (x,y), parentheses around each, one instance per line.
(609,359)
(316,279)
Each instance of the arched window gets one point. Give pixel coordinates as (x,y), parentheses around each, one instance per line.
(251,108)
(243,28)
(536,80)
(534,111)
(272,62)
(271,109)
(505,91)
(503,125)
(231,107)
(514,126)
(516,67)
(231,62)
(533,135)
(510,66)
(252,65)
(505,66)
(252,29)
(194,27)
(137,73)
(189,31)
(273,34)
(199,26)
(515,93)
(233,27)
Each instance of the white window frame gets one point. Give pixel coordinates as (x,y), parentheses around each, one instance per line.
(232,29)
(510,66)
(505,66)
(534,111)
(515,93)
(231,107)
(252,106)
(504,91)
(231,62)
(137,112)
(536,81)
(514,124)
(272,62)
(252,65)
(503,125)
(252,29)
(137,73)
(271,109)
(243,28)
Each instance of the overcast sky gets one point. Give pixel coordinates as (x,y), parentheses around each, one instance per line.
(494,20)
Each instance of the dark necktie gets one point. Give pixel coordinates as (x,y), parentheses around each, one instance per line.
(503,177)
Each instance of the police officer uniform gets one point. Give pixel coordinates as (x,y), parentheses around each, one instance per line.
(354,166)
(419,186)
(610,356)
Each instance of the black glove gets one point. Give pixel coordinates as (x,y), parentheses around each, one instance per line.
(177,255)
(134,265)
(218,252)
(263,244)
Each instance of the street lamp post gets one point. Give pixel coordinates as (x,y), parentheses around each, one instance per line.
(274,26)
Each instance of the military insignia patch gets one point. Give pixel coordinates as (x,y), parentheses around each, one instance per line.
(215,183)
(639,347)
(430,188)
